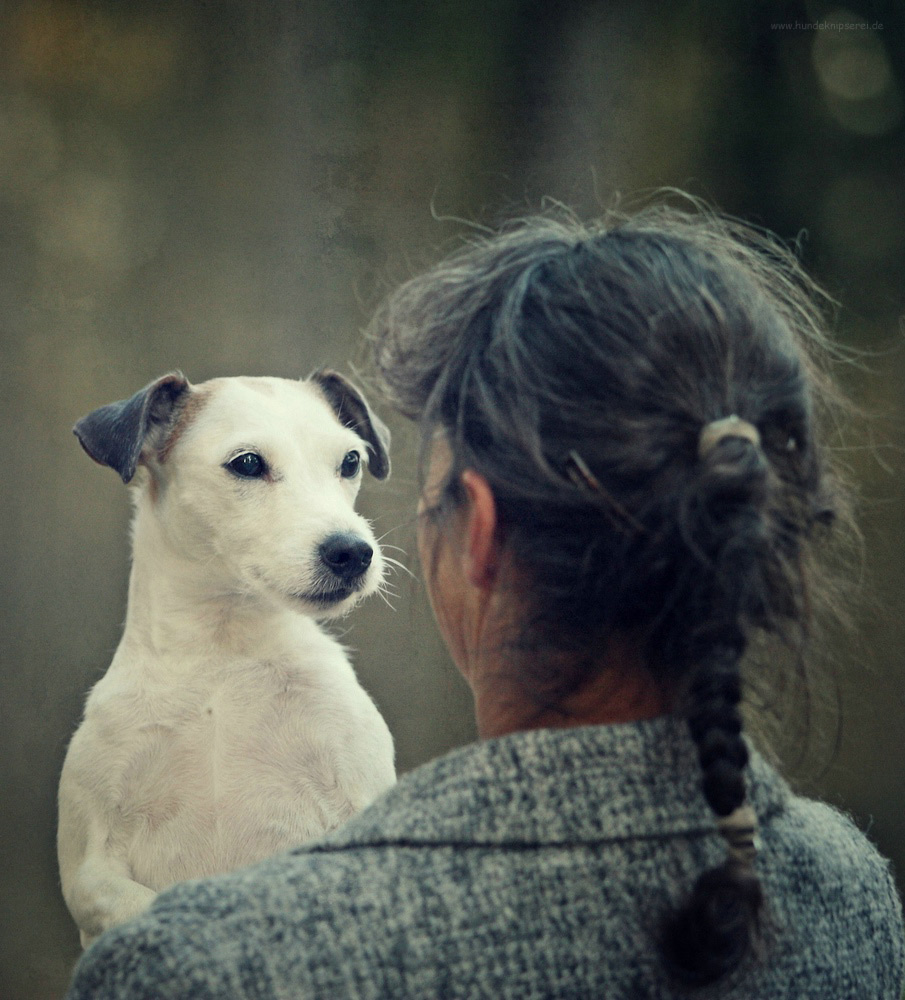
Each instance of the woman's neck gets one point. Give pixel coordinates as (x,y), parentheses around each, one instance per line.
(619,688)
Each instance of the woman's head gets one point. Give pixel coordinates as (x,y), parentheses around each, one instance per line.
(581,371)
(554,350)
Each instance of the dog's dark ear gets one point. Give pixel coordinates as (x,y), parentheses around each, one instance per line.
(352,410)
(115,434)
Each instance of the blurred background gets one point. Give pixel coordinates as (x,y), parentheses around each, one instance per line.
(228,188)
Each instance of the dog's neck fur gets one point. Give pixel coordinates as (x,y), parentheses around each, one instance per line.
(181,606)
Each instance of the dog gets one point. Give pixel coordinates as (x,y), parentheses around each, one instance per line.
(229,725)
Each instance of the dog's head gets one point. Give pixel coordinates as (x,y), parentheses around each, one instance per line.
(257,478)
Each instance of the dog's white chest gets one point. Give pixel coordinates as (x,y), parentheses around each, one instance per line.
(223,778)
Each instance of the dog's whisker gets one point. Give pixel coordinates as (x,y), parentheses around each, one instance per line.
(386,600)
(384,535)
(395,548)
(396,564)
(397,527)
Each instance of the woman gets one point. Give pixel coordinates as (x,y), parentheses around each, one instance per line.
(624,480)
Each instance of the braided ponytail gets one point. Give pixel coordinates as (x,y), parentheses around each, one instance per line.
(718,926)
(711,934)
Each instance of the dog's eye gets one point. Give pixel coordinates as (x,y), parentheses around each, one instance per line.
(351,464)
(248,465)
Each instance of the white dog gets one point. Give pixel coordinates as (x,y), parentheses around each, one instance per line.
(229,726)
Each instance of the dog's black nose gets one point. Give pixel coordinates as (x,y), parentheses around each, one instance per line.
(348,556)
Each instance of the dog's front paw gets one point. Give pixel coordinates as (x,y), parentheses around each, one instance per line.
(131,899)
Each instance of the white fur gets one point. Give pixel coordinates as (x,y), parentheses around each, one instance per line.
(229,726)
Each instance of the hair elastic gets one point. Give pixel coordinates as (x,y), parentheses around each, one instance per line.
(717,430)
(739,830)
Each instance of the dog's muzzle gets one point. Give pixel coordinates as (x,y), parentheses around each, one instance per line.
(346,556)
(344,560)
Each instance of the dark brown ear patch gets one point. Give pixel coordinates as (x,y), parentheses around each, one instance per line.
(115,434)
(352,411)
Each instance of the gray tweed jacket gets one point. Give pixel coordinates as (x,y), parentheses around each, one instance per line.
(536,865)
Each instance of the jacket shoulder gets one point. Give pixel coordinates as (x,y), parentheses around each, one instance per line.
(833,895)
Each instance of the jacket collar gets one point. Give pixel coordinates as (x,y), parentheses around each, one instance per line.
(550,786)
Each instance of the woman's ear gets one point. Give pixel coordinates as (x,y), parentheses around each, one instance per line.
(481,555)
